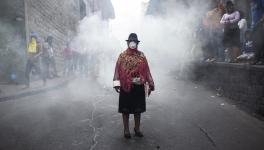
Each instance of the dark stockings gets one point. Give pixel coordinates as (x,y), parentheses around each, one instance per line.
(126,122)
(137,121)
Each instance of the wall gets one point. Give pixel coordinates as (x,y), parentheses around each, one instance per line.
(242,83)
(12,41)
(58,18)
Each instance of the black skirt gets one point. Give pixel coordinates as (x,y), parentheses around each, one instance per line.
(132,102)
(231,37)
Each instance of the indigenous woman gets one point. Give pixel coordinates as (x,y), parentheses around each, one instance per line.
(231,39)
(133,80)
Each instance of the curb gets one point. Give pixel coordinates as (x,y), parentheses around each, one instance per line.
(34,92)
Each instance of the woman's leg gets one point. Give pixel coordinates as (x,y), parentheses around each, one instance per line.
(27,72)
(236,53)
(126,122)
(137,121)
(137,125)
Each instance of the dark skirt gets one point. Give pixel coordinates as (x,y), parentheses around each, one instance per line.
(132,102)
(231,37)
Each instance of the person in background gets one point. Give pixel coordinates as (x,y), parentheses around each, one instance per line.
(45,59)
(231,38)
(67,53)
(257,11)
(242,24)
(258,36)
(75,61)
(131,75)
(213,18)
(248,52)
(52,62)
(202,36)
(83,64)
(33,52)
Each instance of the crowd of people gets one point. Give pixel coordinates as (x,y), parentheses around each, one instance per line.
(230,36)
(226,33)
(76,62)
(41,60)
(81,63)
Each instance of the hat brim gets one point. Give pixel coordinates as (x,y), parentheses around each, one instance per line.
(133,40)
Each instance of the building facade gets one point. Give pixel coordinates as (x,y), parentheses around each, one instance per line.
(56,18)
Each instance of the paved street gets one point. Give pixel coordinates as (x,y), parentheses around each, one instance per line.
(82,116)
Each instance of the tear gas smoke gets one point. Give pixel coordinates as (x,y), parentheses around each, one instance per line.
(167,40)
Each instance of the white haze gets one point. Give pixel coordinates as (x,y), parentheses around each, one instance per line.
(167,40)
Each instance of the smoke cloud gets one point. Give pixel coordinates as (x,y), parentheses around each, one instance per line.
(168,40)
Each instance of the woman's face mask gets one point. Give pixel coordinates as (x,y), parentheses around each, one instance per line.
(132,45)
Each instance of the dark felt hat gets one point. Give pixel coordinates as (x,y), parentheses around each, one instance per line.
(133,37)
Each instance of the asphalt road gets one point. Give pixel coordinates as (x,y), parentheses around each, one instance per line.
(180,116)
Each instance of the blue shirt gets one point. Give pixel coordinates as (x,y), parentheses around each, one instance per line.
(257,11)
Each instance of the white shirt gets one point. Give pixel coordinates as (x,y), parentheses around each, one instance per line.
(230,18)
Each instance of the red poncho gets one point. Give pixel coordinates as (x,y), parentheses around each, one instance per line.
(130,64)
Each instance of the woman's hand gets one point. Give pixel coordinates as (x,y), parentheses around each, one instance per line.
(151,88)
(117,88)
(149,92)
(227,22)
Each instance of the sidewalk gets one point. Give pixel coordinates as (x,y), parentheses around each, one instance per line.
(12,91)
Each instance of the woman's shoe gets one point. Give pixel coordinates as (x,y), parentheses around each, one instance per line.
(138,133)
(127,135)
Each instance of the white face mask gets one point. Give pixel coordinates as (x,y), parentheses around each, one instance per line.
(132,45)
